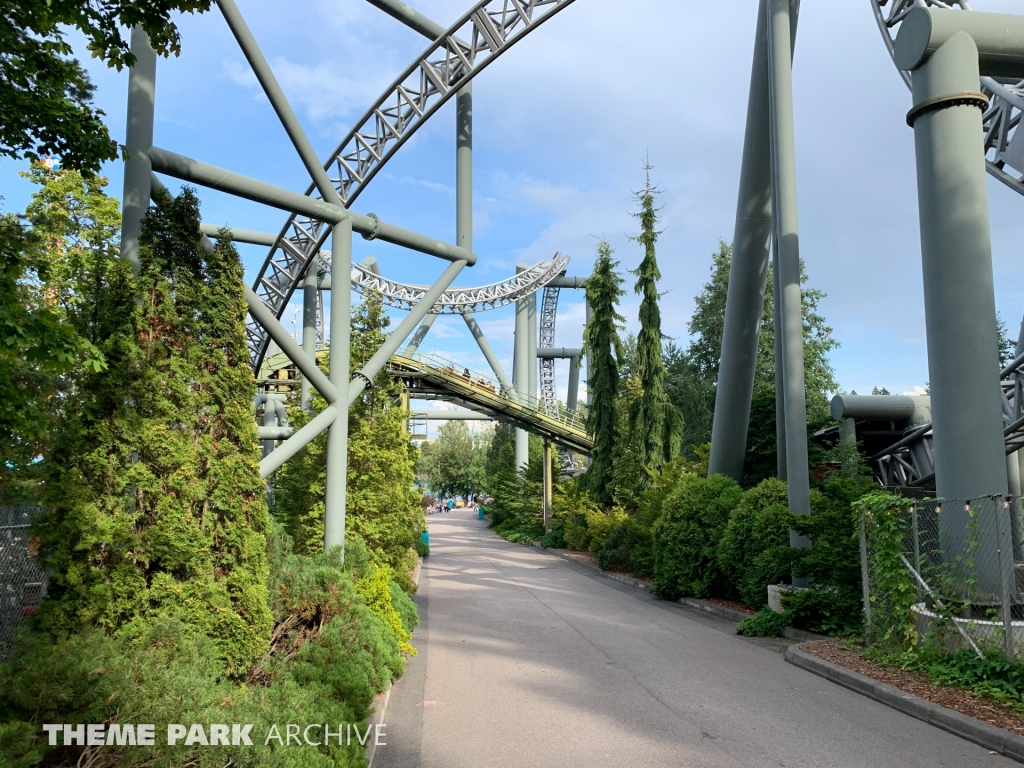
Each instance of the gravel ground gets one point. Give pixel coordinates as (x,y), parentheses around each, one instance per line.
(917,683)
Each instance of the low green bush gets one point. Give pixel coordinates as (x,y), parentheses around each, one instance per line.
(766,623)
(685,538)
(555,538)
(333,648)
(754,549)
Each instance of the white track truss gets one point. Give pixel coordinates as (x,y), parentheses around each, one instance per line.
(457,301)
(548,313)
(1004,145)
(491,27)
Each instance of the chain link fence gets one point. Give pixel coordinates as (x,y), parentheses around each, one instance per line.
(944,574)
(22,578)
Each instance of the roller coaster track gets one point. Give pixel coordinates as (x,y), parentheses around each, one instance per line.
(491,27)
(429,376)
(910,463)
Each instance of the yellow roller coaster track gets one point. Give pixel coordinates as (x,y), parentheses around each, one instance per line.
(432,376)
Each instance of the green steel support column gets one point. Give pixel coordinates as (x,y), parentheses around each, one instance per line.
(337,433)
(960,319)
(138,142)
(780,379)
(419,335)
(574,384)
(780,48)
(747,275)
(547,485)
(521,373)
(309,316)
(531,382)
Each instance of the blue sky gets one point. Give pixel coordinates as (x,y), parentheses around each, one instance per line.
(562,124)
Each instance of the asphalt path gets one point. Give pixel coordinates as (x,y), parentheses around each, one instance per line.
(526,659)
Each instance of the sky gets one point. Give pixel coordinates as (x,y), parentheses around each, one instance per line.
(563,124)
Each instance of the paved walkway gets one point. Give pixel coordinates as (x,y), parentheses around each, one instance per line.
(527,660)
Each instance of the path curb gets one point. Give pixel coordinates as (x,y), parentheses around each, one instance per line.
(628,580)
(380,704)
(981,733)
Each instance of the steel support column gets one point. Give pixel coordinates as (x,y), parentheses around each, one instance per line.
(310,309)
(572,395)
(365,375)
(780,52)
(337,433)
(420,335)
(138,142)
(547,485)
(747,273)
(521,374)
(780,378)
(959,297)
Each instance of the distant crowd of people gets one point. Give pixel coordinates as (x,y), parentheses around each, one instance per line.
(447,505)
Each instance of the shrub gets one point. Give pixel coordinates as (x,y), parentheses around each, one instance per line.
(172,675)
(834,603)
(686,537)
(555,538)
(767,623)
(754,549)
(601,523)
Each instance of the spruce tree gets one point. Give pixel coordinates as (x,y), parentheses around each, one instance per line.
(158,510)
(601,344)
(654,422)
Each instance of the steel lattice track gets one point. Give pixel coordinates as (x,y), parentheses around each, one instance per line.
(1006,98)
(491,27)
(457,301)
(548,314)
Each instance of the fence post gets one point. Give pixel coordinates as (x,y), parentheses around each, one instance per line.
(1005,607)
(865,585)
(917,542)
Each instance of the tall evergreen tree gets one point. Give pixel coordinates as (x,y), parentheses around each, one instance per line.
(654,420)
(158,510)
(601,344)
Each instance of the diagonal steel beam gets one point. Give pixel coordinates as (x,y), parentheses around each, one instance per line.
(278,101)
(275,460)
(375,364)
(262,314)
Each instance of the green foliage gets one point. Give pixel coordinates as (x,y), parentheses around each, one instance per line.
(992,676)
(686,536)
(454,463)
(766,623)
(692,396)
(754,549)
(45,96)
(695,374)
(761,459)
(330,655)
(375,588)
(892,589)
(383,507)
(1007,344)
(555,538)
(158,510)
(654,421)
(517,512)
(46,306)
(834,604)
(571,503)
(601,344)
